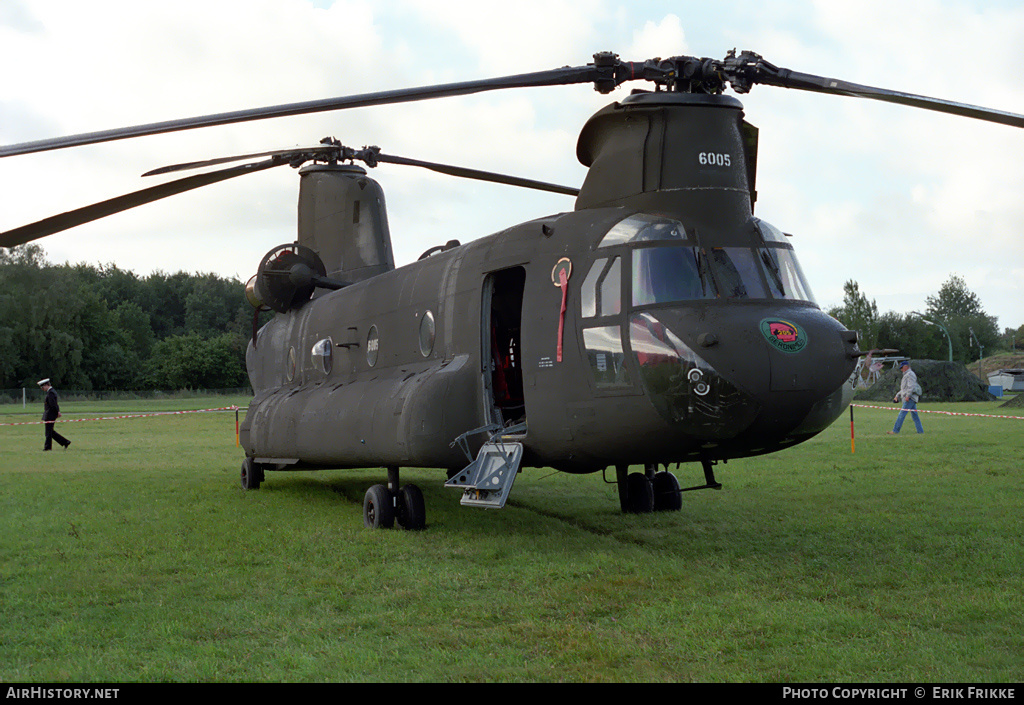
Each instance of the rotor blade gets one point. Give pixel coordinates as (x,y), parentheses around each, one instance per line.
(286,155)
(64,221)
(479,175)
(562,76)
(831,85)
(749,68)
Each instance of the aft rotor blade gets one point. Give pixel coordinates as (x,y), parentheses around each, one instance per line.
(286,155)
(480,175)
(64,221)
(562,76)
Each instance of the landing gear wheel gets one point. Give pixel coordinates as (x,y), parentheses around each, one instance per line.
(378,508)
(639,494)
(252,474)
(667,497)
(412,513)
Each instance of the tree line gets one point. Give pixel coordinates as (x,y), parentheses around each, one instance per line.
(953,317)
(103,328)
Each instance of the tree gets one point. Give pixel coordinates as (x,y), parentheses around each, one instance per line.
(101,327)
(911,336)
(859,314)
(954,300)
(192,362)
(960,311)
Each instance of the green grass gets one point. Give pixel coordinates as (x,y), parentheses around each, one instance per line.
(135,556)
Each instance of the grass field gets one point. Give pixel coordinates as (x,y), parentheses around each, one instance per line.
(135,556)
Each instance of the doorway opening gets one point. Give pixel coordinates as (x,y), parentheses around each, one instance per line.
(501,346)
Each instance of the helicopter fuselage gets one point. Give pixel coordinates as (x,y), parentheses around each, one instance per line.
(688,331)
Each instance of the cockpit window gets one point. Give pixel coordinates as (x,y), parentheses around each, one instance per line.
(736,273)
(644,228)
(769,232)
(670,263)
(666,274)
(606,356)
(785,278)
(601,292)
(782,270)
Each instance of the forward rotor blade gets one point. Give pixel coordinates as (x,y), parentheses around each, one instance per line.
(819,84)
(749,68)
(479,175)
(64,221)
(562,76)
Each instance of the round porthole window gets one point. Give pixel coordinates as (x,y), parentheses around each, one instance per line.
(372,346)
(289,365)
(427,334)
(323,355)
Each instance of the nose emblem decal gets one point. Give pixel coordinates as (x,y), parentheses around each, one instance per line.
(784,335)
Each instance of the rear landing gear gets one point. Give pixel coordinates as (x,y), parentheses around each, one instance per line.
(252,474)
(378,508)
(382,505)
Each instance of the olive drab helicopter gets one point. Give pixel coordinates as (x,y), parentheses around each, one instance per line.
(659,322)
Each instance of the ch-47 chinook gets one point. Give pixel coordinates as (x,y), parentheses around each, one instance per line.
(658,322)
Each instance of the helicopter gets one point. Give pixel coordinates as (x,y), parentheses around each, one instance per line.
(658,322)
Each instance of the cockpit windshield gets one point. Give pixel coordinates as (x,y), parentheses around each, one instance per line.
(669,263)
(665,274)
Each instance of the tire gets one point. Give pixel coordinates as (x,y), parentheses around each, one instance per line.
(667,497)
(378,508)
(252,474)
(412,512)
(639,494)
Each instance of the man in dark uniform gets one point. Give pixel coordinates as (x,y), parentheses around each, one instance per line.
(51,410)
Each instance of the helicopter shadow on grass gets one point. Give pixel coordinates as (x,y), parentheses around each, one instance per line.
(585,516)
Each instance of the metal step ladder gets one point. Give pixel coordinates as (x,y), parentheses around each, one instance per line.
(486,481)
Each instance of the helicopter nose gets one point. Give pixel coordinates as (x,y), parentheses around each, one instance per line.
(810,358)
(745,372)
(688,391)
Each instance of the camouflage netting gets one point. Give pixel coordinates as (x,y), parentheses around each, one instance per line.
(1015,402)
(940,381)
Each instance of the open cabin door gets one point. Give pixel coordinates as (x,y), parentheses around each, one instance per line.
(486,481)
(501,351)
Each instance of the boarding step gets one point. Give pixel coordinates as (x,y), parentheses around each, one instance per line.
(486,481)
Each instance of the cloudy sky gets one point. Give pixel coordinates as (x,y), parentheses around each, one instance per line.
(896,198)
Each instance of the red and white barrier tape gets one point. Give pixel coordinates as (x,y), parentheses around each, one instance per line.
(933,411)
(125,416)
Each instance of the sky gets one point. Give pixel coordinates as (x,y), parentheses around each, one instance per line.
(895,198)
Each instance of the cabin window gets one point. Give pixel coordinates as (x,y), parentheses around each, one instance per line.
(606,357)
(427,334)
(602,289)
(322,354)
(372,346)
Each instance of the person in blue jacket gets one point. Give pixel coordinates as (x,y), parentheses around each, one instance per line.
(909,392)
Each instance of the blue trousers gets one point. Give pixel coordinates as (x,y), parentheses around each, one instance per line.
(910,406)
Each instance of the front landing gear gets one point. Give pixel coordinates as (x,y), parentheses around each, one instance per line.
(653,491)
(382,505)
